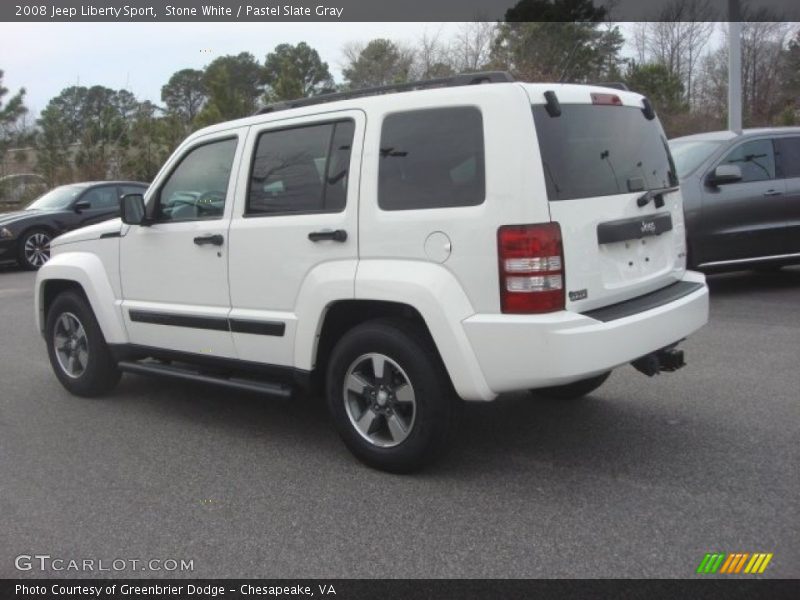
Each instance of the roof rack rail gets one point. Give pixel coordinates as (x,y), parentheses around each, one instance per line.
(454,81)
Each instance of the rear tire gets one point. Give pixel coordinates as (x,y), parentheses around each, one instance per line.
(390,397)
(77,349)
(574,390)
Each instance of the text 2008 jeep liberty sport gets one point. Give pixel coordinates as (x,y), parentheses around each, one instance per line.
(404,247)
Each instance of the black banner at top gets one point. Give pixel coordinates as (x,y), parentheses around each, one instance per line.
(397,10)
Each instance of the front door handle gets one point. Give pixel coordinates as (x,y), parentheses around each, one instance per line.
(215,240)
(339,235)
(773,193)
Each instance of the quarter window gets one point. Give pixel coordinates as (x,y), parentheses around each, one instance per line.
(198,186)
(301,170)
(431,159)
(756,160)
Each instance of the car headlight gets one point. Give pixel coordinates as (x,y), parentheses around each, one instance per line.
(5,233)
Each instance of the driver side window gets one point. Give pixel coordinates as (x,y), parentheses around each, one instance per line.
(756,159)
(102,197)
(198,186)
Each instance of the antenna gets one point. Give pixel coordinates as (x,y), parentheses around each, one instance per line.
(568,62)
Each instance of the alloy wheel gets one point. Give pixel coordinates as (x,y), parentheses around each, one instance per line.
(37,249)
(379,400)
(71,345)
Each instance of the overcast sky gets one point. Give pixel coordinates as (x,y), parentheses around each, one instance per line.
(140,57)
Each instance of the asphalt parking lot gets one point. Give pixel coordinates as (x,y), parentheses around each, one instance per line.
(639,480)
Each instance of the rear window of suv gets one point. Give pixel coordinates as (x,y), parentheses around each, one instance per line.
(602,150)
(432,158)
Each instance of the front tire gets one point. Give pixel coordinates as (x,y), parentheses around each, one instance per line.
(390,397)
(574,390)
(77,349)
(34,249)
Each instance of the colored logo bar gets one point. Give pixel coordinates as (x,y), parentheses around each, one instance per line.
(734,563)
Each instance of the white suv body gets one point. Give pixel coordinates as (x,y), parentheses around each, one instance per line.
(414,228)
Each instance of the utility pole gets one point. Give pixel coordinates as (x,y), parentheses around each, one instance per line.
(734,66)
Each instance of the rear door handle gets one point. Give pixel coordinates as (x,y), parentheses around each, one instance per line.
(215,240)
(773,193)
(339,235)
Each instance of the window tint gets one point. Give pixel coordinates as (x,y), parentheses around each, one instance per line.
(431,159)
(197,188)
(102,197)
(756,160)
(599,150)
(788,150)
(304,169)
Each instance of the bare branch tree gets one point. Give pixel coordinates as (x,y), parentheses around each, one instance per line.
(764,53)
(640,42)
(472,45)
(432,56)
(677,40)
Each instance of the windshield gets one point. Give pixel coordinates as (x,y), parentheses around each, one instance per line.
(689,155)
(602,150)
(59,198)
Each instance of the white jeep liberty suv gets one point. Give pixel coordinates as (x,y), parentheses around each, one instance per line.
(403,247)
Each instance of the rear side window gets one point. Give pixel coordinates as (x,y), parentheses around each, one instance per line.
(592,150)
(755,159)
(788,150)
(300,170)
(432,159)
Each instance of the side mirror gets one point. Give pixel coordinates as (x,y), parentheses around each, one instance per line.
(82,205)
(131,209)
(724,174)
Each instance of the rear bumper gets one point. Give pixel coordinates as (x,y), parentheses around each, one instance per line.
(518,352)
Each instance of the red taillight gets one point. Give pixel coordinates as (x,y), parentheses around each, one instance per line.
(531,265)
(611,99)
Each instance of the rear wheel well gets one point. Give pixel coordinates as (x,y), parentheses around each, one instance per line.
(342,316)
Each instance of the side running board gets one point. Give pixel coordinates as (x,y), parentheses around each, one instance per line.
(190,374)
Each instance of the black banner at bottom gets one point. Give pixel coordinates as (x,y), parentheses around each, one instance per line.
(405,589)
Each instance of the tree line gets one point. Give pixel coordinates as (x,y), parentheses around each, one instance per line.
(97,132)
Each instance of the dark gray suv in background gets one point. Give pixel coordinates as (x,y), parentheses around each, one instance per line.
(741,197)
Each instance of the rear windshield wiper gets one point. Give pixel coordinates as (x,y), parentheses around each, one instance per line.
(657,193)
